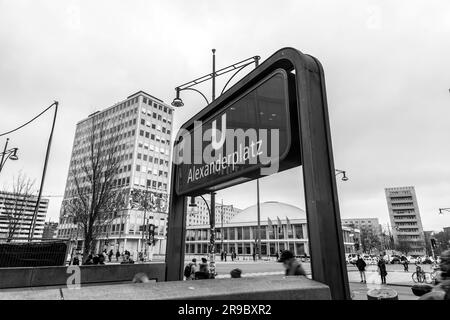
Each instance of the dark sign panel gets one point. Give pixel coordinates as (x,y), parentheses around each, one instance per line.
(249,133)
(32,254)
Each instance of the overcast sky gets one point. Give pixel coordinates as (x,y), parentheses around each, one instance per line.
(387,71)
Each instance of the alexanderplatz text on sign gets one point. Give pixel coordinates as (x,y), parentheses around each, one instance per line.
(273,119)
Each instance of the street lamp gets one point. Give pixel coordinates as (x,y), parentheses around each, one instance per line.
(212,223)
(344,177)
(178,102)
(8,154)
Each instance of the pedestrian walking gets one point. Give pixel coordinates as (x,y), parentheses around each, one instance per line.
(117,255)
(221,256)
(382,269)
(361,265)
(232,255)
(293,266)
(225,255)
(254,256)
(405,263)
(110,254)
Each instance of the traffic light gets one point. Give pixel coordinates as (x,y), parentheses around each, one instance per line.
(151,235)
(433,243)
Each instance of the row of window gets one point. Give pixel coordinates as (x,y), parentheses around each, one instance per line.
(160,107)
(247,233)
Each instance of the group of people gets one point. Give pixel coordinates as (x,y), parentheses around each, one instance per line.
(196,272)
(381,264)
(224,254)
(292,266)
(101,257)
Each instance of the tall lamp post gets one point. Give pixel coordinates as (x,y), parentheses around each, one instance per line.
(44,171)
(212,218)
(8,154)
(178,102)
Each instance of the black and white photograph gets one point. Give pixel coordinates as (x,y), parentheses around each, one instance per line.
(219,159)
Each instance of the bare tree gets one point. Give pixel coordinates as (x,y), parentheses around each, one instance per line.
(369,240)
(15,205)
(404,247)
(95,201)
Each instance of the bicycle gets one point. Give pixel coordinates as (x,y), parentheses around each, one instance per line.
(421,277)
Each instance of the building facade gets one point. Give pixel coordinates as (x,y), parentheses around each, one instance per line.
(142,125)
(405,219)
(50,230)
(370,224)
(16,216)
(283,227)
(200,214)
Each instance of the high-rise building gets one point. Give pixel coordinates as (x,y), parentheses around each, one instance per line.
(143,126)
(405,219)
(16,216)
(371,224)
(199,215)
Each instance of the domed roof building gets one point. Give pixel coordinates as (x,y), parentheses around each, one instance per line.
(283,227)
(269,210)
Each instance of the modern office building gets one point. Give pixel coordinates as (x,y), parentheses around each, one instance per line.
(16,216)
(50,230)
(283,227)
(370,224)
(200,214)
(143,126)
(405,218)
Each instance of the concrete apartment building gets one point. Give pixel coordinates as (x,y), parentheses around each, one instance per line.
(371,224)
(405,218)
(200,215)
(143,125)
(16,215)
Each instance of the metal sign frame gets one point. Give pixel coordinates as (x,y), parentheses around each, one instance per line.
(315,151)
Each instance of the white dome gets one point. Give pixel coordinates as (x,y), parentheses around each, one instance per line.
(270,209)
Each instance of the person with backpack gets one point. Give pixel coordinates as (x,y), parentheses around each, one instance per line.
(190,269)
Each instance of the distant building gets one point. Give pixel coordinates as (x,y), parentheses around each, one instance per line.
(405,218)
(16,214)
(371,224)
(143,125)
(288,231)
(50,230)
(200,214)
(447,230)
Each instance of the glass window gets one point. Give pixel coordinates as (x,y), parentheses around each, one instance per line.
(239,233)
(232,233)
(298,231)
(247,233)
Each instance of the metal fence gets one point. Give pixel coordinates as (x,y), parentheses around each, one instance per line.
(33,254)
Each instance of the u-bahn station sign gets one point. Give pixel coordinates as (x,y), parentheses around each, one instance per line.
(273,119)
